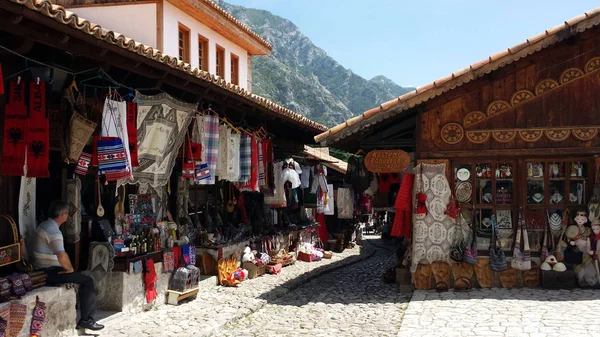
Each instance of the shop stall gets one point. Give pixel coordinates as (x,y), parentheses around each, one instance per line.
(162,185)
(505,165)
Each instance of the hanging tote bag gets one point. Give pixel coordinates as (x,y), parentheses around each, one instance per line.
(457,251)
(497,257)
(470,255)
(545,246)
(521,259)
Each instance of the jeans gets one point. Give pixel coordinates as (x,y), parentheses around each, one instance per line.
(86,294)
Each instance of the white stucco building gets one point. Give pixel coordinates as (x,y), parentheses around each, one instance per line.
(198,32)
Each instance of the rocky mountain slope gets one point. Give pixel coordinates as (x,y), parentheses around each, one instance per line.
(303,78)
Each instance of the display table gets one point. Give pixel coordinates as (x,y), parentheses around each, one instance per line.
(123,263)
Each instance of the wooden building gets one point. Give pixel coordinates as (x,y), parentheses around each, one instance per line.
(521,124)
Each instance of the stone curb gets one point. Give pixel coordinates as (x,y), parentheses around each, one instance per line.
(295,283)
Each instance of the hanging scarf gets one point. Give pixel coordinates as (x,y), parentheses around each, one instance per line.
(132,133)
(15,132)
(224,134)
(245,158)
(233,157)
(210,147)
(254,161)
(261,165)
(38,133)
(268,159)
(322,230)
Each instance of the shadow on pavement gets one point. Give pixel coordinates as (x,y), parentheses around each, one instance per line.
(345,282)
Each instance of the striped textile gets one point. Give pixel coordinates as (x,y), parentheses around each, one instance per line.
(210,147)
(111,155)
(245,158)
(261,166)
(83,164)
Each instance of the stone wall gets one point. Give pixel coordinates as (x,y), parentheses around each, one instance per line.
(61,314)
(126,291)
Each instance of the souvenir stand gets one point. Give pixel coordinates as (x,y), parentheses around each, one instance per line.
(69,109)
(505,179)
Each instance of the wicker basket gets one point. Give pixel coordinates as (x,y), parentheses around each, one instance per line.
(327,255)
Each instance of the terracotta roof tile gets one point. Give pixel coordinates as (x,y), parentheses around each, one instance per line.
(238,23)
(61,15)
(422,94)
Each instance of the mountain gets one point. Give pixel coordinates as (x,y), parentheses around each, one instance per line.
(303,78)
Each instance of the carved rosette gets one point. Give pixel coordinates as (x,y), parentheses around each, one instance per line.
(497,107)
(592,65)
(521,96)
(558,135)
(584,134)
(531,136)
(478,137)
(545,85)
(473,118)
(452,133)
(504,136)
(570,74)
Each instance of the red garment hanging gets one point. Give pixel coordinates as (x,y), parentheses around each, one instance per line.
(403,220)
(38,133)
(15,132)
(150,281)
(323,233)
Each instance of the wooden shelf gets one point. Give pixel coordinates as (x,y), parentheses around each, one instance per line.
(535,178)
(504,179)
(577,179)
(557,179)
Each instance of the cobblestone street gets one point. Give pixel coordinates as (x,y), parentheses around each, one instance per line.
(352,301)
(502,312)
(342,294)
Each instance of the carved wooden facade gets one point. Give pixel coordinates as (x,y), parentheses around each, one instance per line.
(545,103)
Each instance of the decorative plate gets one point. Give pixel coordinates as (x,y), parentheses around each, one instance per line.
(463,174)
(464,190)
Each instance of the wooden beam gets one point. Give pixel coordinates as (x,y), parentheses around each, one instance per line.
(393,129)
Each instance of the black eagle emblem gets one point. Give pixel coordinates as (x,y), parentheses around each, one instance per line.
(37,147)
(15,135)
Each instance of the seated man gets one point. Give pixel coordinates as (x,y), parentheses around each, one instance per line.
(49,254)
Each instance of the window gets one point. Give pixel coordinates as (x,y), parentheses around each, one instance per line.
(235,69)
(220,62)
(184,43)
(202,53)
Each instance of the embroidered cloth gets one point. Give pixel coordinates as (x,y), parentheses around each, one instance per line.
(27,207)
(162,123)
(432,234)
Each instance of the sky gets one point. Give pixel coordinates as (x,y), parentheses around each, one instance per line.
(416,42)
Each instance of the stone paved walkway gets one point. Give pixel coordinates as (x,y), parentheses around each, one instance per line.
(213,310)
(352,301)
(502,312)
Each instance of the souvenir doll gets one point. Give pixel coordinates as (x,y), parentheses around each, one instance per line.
(580,238)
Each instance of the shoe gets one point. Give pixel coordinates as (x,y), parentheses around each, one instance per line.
(89,324)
